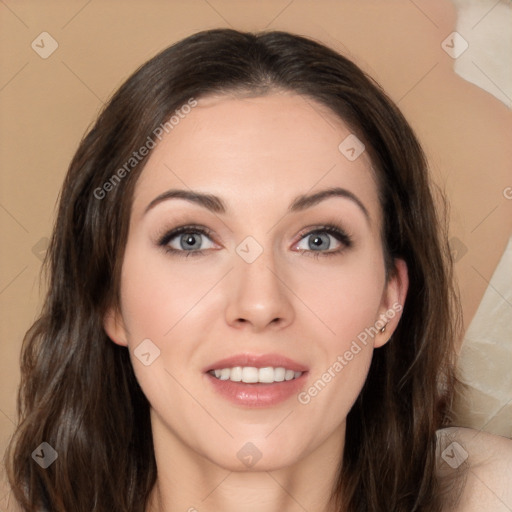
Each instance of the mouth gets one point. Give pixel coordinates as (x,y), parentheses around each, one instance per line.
(257,380)
(253,375)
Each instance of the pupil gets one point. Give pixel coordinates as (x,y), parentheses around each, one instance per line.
(190,240)
(318,240)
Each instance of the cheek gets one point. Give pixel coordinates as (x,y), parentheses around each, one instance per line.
(346,298)
(166,301)
(156,293)
(347,301)
(155,300)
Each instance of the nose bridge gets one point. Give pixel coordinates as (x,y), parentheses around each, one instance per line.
(258,293)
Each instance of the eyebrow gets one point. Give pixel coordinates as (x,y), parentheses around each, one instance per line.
(217,205)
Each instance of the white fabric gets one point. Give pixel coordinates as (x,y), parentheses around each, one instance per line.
(486,357)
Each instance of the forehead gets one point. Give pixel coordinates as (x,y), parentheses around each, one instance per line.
(258,153)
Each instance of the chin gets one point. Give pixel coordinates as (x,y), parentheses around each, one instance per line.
(255,453)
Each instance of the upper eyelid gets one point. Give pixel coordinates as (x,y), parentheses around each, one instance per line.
(203,230)
(179,230)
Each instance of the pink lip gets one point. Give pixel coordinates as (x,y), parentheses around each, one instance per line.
(257,394)
(257,361)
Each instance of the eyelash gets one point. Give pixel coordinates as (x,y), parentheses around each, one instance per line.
(331,229)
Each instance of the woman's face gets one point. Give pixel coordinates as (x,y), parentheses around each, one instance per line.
(257,282)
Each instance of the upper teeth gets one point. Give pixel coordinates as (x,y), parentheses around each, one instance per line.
(250,374)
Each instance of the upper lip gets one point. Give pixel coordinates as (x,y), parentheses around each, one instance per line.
(257,361)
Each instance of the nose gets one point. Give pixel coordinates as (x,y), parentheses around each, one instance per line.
(259,297)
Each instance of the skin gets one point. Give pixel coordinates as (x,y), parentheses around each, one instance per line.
(257,154)
(485,481)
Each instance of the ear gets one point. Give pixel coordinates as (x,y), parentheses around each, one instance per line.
(114,327)
(393,300)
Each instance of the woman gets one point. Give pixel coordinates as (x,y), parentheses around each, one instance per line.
(250,302)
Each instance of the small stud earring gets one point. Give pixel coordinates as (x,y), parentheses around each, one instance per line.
(383,329)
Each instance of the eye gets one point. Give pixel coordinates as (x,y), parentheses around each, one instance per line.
(186,241)
(320,241)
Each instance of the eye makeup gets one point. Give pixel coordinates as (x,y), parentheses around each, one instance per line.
(197,231)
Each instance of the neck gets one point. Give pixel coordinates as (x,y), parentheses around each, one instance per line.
(190,482)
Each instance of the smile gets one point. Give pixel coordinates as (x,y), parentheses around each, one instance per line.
(252,375)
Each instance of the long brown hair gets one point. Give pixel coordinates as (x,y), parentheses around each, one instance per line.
(78,391)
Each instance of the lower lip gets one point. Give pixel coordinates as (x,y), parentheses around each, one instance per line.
(257,394)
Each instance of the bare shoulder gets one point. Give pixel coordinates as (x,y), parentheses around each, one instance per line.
(476,469)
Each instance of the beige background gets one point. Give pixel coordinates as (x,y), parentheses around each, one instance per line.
(47,104)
